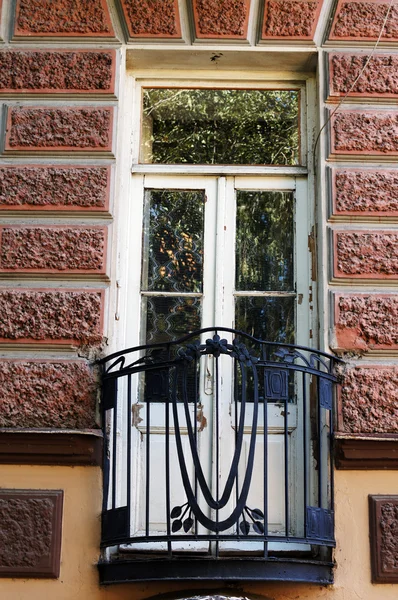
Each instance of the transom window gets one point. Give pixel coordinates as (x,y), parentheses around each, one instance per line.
(220,126)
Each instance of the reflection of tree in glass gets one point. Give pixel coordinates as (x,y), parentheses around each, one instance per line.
(175,241)
(171,318)
(204,126)
(264,241)
(268,319)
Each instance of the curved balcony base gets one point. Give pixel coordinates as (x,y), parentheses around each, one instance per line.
(210,569)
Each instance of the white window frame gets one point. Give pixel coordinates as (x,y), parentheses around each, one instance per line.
(125,297)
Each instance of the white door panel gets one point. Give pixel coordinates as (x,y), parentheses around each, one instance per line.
(217,300)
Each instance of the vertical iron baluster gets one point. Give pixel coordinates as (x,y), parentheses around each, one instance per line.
(265,459)
(331,449)
(114,452)
(305,464)
(320,474)
(147,470)
(195,417)
(129,425)
(236,404)
(286,447)
(217,452)
(167,466)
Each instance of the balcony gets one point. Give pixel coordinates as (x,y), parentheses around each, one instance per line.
(217,461)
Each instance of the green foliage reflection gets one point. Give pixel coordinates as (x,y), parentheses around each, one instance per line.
(204,126)
(264,241)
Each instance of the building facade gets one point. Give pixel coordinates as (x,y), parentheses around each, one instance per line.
(173,165)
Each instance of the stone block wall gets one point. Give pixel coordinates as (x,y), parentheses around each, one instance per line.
(58,105)
(363,217)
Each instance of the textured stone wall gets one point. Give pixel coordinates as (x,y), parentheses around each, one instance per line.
(362,21)
(290,19)
(56,166)
(56,316)
(221,18)
(30,532)
(379,79)
(366,321)
(365,132)
(45,394)
(369,400)
(35,187)
(52,249)
(63,18)
(145,18)
(365,254)
(59,129)
(57,71)
(360,192)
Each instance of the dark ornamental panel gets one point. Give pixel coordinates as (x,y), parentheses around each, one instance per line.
(30,533)
(383,523)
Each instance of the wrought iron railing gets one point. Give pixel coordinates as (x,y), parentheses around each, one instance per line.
(218,444)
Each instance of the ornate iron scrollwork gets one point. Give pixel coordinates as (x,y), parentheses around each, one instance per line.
(237,351)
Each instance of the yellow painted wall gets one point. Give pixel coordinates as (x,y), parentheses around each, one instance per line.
(81,534)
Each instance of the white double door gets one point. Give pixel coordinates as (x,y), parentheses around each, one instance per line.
(219,301)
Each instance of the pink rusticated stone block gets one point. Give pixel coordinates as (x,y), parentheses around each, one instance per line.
(51,316)
(149,19)
(361,21)
(366,321)
(365,254)
(370,192)
(380,78)
(221,18)
(36,187)
(57,71)
(37,393)
(368,400)
(53,249)
(59,129)
(63,18)
(370,132)
(294,19)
